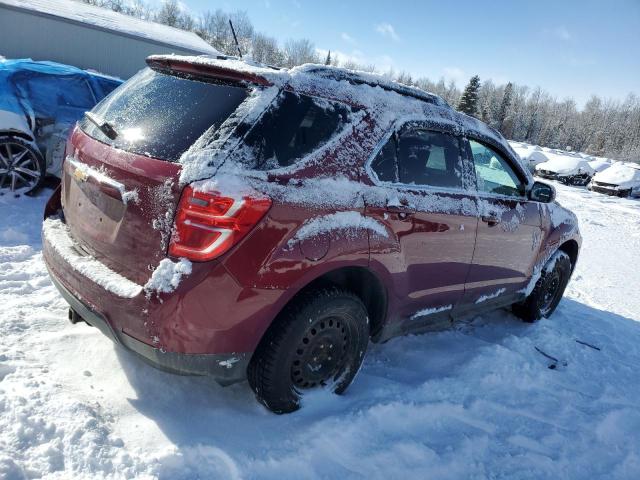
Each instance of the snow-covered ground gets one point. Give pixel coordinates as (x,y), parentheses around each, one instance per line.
(478,401)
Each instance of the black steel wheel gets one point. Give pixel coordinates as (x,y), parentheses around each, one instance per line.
(318,341)
(548,291)
(22,167)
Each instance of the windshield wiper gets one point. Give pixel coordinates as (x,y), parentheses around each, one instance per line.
(104,126)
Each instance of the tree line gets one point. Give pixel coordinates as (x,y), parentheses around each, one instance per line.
(603,127)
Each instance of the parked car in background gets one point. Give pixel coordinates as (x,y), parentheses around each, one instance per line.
(622,179)
(39,102)
(570,170)
(225,219)
(600,164)
(527,154)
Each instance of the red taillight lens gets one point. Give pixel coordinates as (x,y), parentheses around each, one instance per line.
(210,223)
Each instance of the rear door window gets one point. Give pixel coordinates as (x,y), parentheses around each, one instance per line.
(294,126)
(161,115)
(422,158)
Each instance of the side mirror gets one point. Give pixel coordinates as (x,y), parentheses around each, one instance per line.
(541,192)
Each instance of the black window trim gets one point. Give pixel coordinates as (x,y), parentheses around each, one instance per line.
(400,127)
(515,166)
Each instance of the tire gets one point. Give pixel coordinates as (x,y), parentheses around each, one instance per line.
(296,352)
(22,167)
(546,295)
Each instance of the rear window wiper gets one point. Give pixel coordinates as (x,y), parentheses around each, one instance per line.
(104,126)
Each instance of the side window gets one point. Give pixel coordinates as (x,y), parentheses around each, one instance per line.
(292,128)
(429,158)
(493,172)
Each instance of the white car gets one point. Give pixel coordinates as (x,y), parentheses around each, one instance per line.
(571,170)
(622,179)
(600,164)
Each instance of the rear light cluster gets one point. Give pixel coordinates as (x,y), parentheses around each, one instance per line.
(208,224)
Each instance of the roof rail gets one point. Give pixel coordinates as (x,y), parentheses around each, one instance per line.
(363,78)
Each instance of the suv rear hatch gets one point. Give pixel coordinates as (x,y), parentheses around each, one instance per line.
(121,181)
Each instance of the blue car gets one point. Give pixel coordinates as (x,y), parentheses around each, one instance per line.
(39,102)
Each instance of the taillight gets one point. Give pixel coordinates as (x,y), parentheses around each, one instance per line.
(207,224)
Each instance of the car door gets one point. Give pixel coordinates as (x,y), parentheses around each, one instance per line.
(509,231)
(432,218)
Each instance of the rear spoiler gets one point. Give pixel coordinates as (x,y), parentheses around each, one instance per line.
(204,69)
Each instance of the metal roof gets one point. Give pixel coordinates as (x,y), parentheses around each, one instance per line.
(101,18)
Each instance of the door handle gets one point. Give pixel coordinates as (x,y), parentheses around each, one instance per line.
(490,220)
(402,211)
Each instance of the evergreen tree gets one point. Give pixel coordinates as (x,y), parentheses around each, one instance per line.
(504,105)
(327,60)
(469,101)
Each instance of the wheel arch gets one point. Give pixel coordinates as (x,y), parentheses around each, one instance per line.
(18,134)
(357,279)
(571,248)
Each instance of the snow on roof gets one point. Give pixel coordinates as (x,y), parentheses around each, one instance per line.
(116,22)
(385,100)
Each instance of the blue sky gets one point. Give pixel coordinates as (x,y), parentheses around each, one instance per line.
(569,48)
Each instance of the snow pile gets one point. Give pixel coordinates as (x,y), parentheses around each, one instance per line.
(349,223)
(57,234)
(167,276)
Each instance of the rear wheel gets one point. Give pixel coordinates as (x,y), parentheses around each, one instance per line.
(548,291)
(22,168)
(319,341)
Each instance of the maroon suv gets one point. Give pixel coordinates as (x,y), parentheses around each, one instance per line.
(226,219)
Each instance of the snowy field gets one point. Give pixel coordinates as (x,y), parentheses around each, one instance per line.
(478,401)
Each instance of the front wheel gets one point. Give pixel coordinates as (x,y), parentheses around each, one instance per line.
(318,341)
(546,295)
(22,168)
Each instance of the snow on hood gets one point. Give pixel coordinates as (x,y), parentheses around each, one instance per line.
(564,164)
(621,174)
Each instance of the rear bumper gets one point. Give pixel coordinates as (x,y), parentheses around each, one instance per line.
(209,325)
(224,368)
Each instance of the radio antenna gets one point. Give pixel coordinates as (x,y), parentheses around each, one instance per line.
(235,38)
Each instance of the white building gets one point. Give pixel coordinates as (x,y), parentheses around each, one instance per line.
(88,37)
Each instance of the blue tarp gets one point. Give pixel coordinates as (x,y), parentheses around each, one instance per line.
(52,91)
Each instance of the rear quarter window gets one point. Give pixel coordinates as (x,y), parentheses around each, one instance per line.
(291,128)
(161,115)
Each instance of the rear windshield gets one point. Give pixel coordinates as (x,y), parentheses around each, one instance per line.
(161,115)
(293,126)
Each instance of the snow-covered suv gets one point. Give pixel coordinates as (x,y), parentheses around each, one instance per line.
(226,219)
